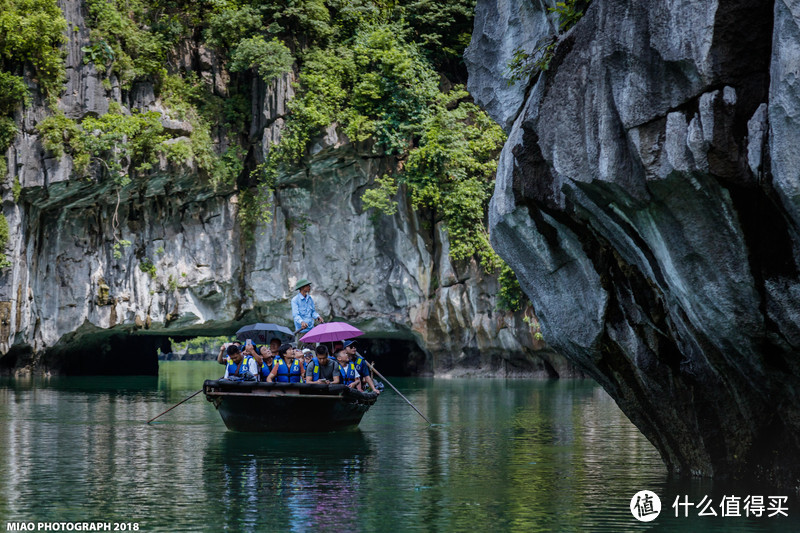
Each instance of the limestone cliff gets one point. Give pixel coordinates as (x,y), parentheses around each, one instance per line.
(647,198)
(189,270)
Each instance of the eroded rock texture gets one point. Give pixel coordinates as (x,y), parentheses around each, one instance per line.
(648,200)
(189,270)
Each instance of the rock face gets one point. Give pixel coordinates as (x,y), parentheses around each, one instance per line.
(189,270)
(648,200)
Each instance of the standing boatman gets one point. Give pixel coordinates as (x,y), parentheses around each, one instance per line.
(303,311)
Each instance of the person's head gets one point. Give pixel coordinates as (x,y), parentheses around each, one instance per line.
(237,343)
(285,349)
(322,353)
(234,353)
(308,355)
(350,348)
(342,357)
(304,286)
(274,344)
(266,353)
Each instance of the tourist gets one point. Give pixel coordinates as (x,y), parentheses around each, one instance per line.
(251,350)
(286,369)
(308,356)
(322,369)
(361,365)
(347,370)
(298,356)
(222,356)
(240,367)
(267,362)
(304,313)
(274,344)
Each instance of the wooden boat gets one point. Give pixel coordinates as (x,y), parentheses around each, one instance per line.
(287,407)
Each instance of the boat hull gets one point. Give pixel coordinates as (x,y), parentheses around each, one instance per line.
(287,407)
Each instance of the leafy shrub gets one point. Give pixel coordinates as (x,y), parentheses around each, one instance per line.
(4,236)
(231,24)
(8,130)
(510,297)
(32,31)
(13,91)
(269,58)
(120,25)
(147,266)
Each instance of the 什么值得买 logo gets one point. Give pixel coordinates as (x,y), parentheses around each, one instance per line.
(645,506)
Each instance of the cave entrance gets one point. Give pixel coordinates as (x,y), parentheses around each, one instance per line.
(115,354)
(129,354)
(395,357)
(193,347)
(126,354)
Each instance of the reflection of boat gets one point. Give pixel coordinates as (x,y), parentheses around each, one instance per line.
(287,407)
(330,449)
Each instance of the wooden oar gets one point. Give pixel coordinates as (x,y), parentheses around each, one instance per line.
(176,405)
(398,392)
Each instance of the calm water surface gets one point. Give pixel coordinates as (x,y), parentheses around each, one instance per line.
(510,455)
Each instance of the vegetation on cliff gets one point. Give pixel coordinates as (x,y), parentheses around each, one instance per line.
(388,75)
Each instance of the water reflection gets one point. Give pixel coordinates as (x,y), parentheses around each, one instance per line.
(505,455)
(287,482)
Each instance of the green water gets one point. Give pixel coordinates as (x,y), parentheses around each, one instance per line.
(509,455)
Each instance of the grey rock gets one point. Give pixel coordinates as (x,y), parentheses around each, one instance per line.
(640,222)
(757,134)
(83,91)
(142,96)
(502,28)
(784,107)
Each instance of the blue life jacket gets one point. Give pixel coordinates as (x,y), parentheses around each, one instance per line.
(361,366)
(314,365)
(288,373)
(295,372)
(348,373)
(241,368)
(266,369)
(283,370)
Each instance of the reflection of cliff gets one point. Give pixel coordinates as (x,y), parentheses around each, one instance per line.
(647,198)
(548,457)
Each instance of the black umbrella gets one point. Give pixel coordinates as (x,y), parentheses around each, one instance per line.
(261,333)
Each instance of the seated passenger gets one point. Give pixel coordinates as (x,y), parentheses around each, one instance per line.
(347,370)
(286,368)
(298,356)
(267,362)
(222,356)
(308,356)
(322,369)
(272,349)
(240,367)
(274,345)
(251,350)
(361,365)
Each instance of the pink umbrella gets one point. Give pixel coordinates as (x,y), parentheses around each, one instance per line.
(331,332)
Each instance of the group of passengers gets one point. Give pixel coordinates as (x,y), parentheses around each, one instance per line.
(285,363)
